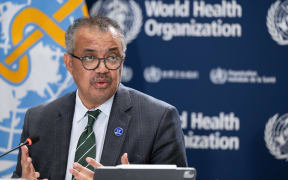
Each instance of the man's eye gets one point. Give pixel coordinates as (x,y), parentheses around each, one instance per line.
(112,58)
(89,58)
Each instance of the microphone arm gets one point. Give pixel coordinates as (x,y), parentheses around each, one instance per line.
(29,141)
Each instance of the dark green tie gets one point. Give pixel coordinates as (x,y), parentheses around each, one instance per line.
(86,146)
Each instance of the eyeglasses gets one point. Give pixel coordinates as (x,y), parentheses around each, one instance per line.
(92,62)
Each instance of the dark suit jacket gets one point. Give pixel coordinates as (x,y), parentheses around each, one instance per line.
(151,133)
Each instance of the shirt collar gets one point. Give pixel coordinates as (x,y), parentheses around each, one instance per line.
(81,110)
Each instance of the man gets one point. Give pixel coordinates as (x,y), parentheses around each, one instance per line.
(128,124)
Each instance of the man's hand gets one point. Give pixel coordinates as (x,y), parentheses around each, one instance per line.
(81,173)
(28,171)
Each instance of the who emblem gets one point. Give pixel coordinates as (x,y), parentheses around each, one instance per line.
(32,70)
(218,76)
(276,136)
(277,22)
(152,74)
(127,13)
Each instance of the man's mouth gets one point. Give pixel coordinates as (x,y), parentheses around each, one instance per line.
(100,84)
(101,81)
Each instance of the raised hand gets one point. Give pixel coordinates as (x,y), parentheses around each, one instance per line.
(28,171)
(81,173)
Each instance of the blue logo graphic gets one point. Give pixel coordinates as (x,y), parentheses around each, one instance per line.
(118,131)
(32,70)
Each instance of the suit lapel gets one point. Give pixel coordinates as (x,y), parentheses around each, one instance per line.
(119,118)
(63,126)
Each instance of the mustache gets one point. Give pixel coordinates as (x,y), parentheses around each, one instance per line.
(101,78)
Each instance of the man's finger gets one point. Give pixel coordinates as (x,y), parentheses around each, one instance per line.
(93,162)
(75,173)
(124,159)
(26,163)
(78,175)
(31,167)
(24,154)
(37,174)
(83,170)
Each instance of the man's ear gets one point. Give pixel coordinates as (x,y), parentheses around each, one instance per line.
(68,62)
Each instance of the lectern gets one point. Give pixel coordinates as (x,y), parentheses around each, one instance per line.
(144,172)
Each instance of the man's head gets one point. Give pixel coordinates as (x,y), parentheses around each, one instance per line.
(88,42)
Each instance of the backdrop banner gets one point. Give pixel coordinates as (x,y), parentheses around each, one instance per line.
(222,63)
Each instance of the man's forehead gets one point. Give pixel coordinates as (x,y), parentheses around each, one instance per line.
(96,29)
(113,49)
(95,34)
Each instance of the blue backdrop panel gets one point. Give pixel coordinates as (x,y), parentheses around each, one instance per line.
(223,65)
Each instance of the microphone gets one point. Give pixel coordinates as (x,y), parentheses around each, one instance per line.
(29,141)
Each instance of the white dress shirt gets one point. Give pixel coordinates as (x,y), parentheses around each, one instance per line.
(80,120)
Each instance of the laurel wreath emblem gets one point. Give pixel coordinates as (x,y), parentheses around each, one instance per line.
(131,32)
(269,137)
(137,23)
(276,36)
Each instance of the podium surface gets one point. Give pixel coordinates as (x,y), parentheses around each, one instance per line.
(144,172)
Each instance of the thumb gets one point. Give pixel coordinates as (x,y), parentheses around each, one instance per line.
(124,159)
(93,162)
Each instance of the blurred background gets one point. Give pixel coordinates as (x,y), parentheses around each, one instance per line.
(222,63)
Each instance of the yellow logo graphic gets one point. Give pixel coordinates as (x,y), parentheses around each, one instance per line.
(47,25)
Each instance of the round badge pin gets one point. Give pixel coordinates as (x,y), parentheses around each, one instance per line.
(118,131)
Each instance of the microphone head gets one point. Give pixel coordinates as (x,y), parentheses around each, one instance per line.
(32,140)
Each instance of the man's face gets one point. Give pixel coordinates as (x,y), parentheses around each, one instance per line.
(95,86)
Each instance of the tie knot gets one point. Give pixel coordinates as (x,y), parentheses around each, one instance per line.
(92,116)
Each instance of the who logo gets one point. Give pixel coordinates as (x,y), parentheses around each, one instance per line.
(277,22)
(127,13)
(32,70)
(276,136)
(218,76)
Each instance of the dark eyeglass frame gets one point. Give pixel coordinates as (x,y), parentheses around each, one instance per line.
(82,59)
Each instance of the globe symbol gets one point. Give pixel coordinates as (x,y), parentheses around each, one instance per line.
(127,13)
(281,17)
(276,136)
(152,74)
(218,76)
(127,74)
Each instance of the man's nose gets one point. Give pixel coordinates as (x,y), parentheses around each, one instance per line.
(101,68)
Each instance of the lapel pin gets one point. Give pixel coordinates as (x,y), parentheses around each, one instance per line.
(118,131)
